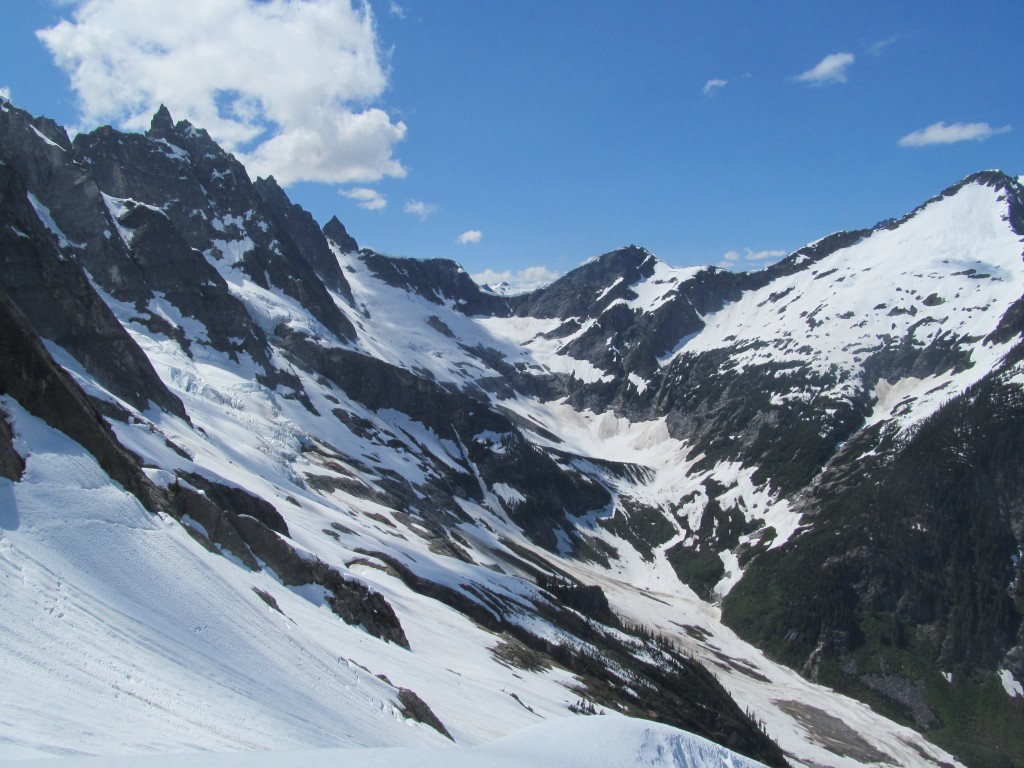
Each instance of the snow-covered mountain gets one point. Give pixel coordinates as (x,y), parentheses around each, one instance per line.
(261,489)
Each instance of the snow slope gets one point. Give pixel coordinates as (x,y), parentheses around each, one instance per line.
(95,634)
(949,272)
(120,634)
(586,742)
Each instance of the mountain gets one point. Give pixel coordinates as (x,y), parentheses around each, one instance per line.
(291,493)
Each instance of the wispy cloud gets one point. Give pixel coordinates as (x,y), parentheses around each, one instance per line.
(396,10)
(420,210)
(940,133)
(523,280)
(831,69)
(367,198)
(470,237)
(876,49)
(284,84)
(713,85)
(731,259)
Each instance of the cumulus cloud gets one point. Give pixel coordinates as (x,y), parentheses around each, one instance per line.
(520,281)
(288,85)
(831,69)
(420,209)
(731,259)
(940,133)
(367,198)
(713,85)
(470,237)
(5,93)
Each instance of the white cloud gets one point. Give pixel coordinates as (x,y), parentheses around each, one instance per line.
(288,85)
(421,210)
(5,93)
(731,259)
(370,199)
(523,280)
(470,237)
(940,133)
(877,48)
(396,10)
(714,84)
(831,69)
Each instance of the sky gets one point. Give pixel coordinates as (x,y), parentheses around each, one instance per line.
(522,138)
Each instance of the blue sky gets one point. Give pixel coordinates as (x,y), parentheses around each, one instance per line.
(517,135)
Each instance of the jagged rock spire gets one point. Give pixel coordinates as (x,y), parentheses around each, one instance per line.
(337,234)
(162,123)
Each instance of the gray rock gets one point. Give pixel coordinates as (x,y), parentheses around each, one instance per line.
(12,465)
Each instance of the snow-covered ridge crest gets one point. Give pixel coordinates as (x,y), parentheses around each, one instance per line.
(956,268)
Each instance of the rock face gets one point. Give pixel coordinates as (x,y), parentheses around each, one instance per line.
(308,239)
(853,411)
(437,281)
(12,465)
(916,552)
(38,182)
(218,212)
(336,233)
(30,376)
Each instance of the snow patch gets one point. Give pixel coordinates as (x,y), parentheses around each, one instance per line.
(508,494)
(1012,686)
(46,138)
(47,220)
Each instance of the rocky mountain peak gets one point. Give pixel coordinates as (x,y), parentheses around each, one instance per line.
(227,220)
(1004,185)
(629,263)
(310,242)
(337,234)
(185,135)
(162,125)
(994,178)
(591,286)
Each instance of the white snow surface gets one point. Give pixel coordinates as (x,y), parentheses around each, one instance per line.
(46,139)
(43,213)
(654,291)
(579,742)
(120,635)
(1011,685)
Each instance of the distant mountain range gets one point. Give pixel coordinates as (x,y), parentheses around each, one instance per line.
(261,488)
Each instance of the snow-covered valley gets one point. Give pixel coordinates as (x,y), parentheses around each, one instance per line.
(377,508)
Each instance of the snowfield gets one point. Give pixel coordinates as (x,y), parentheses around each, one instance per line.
(583,742)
